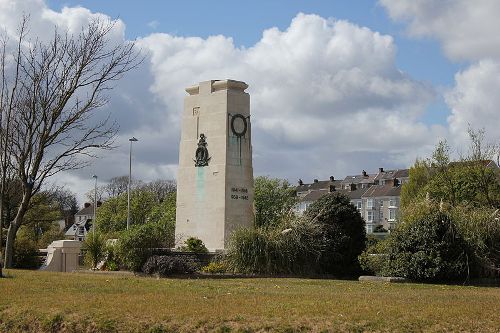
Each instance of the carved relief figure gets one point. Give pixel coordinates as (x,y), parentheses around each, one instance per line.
(201,156)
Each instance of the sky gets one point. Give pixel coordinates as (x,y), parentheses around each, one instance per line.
(336,87)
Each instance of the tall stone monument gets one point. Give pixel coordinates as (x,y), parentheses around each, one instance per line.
(215,175)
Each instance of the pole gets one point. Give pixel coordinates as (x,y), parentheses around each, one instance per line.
(132,139)
(95,204)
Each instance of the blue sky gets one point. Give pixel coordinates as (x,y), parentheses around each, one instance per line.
(244,22)
(336,86)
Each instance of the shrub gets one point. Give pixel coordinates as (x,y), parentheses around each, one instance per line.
(195,245)
(291,248)
(25,254)
(94,247)
(169,265)
(480,227)
(214,268)
(111,260)
(136,245)
(428,248)
(374,259)
(343,233)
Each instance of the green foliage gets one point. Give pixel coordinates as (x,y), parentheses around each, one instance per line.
(214,268)
(25,251)
(343,231)
(193,244)
(274,200)
(95,248)
(144,208)
(49,235)
(293,247)
(428,248)
(374,259)
(468,181)
(480,227)
(136,245)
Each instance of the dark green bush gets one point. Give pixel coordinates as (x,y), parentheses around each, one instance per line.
(169,265)
(195,245)
(25,254)
(136,245)
(343,233)
(429,248)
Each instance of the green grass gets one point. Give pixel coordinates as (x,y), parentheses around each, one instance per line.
(71,302)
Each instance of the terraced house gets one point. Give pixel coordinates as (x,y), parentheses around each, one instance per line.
(376,195)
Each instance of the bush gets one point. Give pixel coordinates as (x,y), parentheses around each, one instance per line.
(428,248)
(169,265)
(195,245)
(214,268)
(343,233)
(136,245)
(291,248)
(25,254)
(111,260)
(374,259)
(94,247)
(480,227)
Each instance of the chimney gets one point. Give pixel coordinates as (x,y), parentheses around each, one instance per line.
(353,187)
(315,180)
(396,182)
(332,188)
(86,205)
(380,170)
(332,178)
(364,174)
(301,182)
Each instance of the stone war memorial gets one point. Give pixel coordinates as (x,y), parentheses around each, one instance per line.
(215,175)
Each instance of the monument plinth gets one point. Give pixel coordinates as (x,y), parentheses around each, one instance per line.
(215,175)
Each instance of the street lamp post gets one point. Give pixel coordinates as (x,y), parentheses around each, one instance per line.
(95,204)
(132,139)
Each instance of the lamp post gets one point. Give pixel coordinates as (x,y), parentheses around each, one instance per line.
(95,204)
(132,139)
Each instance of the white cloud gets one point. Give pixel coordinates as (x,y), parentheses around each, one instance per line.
(326,95)
(468,30)
(475,100)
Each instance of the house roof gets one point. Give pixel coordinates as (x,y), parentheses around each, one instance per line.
(314,195)
(388,190)
(320,185)
(86,210)
(392,174)
(356,194)
(359,179)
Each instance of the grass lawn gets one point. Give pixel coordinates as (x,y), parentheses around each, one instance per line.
(71,302)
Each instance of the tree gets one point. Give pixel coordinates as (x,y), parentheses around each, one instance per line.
(274,200)
(53,91)
(161,188)
(343,231)
(116,186)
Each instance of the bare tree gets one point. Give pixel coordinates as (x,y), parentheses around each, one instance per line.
(161,188)
(53,95)
(116,186)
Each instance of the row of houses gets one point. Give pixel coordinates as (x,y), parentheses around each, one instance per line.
(376,195)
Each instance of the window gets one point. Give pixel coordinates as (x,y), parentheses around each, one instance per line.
(369,203)
(381,203)
(359,205)
(369,229)
(392,214)
(369,216)
(392,203)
